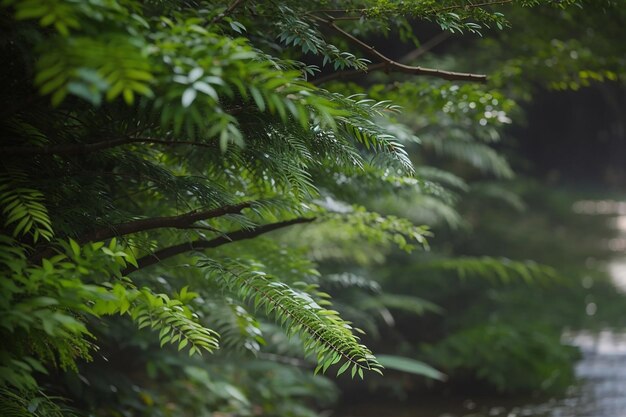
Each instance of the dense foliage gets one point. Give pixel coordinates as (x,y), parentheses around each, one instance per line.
(147,149)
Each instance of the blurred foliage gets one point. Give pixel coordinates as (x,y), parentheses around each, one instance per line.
(146,147)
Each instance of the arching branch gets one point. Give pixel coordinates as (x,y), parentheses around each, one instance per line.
(182,221)
(362,11)
(427,46)
(171,251)
(389,64)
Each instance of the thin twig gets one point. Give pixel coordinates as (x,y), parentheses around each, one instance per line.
(425,47)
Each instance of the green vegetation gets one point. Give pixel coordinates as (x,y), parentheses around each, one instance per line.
(183,184)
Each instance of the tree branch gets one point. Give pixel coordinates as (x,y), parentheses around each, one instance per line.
(425,47)
(84,148)
(236,236)
(471,6)
(182,221)
(362,11)
(348,73)
(391,65)
(228,10)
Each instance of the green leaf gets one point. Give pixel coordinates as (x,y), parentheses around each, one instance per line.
(75,247)
(188,97)
(343,368)
(411,366)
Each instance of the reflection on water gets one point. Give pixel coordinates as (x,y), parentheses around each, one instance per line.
(617,269)
(602,371)
(601,392)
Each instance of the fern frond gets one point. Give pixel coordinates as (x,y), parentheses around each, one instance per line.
(365,122)
(425,209)
(441,176)
(237,327)
(22,207)
(349,280)
(502,269)
(322,331)
(32,404)
(407,303)
(478,155)
(296,31)
(174,321)
(499,192)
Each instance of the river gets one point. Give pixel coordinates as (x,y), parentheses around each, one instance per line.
(601,372)
(601,391)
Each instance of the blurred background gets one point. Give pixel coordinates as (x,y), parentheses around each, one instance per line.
(509,344)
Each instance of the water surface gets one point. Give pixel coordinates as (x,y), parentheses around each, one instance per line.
(601,391)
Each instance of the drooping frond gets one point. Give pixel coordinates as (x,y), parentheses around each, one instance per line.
(349,280)
(298,31)
(498,192)
(238,329)
(174,321)
(406,303)
(497,269)
(322,331)
(476,154)
(32,405)
(23,210)
(364,129)
(334,236)
(443,177)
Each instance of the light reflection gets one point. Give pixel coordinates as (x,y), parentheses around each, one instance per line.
(617,244)
(587,282)
(620,223)
(591,309)
(600,207)
(617,271)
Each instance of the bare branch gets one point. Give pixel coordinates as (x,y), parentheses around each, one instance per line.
(391,65)
(425,47)
(236,236)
